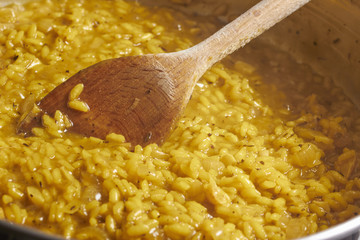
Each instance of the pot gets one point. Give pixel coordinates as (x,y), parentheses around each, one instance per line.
(323,37)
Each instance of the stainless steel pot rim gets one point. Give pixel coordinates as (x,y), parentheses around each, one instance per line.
(16,232)
(340,231)
(348,230)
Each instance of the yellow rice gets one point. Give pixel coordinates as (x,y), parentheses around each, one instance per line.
(74,100)
(235,167)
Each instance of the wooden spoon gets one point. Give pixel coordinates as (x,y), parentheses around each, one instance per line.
(141,97)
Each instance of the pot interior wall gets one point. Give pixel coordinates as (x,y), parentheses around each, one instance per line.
(323,35)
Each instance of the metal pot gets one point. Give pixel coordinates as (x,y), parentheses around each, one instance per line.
(324,35)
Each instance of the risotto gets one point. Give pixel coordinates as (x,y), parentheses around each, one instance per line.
(240,163)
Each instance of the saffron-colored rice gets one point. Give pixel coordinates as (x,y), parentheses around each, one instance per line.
(74,100)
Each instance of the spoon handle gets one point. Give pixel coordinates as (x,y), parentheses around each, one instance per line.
(239,32)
